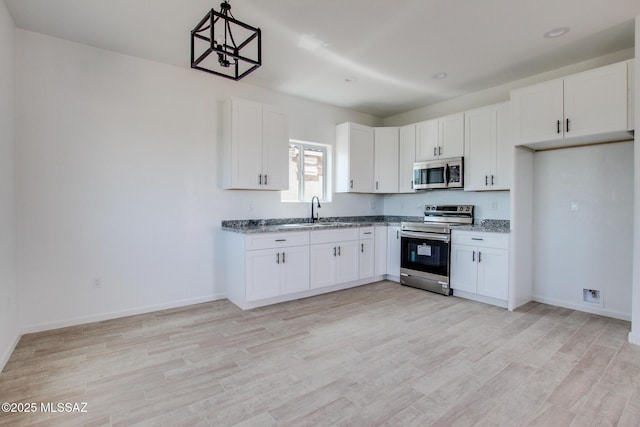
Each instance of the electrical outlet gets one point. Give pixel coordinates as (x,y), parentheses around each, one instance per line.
(97,283)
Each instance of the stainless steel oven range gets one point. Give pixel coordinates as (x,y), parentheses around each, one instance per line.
(426,247)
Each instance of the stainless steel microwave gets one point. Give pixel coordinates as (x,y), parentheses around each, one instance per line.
(442,173)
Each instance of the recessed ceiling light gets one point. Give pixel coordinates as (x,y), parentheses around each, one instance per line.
(556,32)
(439,76)
(350,79)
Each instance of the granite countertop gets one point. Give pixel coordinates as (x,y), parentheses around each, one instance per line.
(488,225)
(304,224)
(252,226)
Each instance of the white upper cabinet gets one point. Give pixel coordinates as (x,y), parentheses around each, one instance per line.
(386,159)
(440,138)
(407,157)
(256,141)
(488,148)
(583,108)
(354,158)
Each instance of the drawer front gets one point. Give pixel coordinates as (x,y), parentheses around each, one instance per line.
(366,233)
(487,240)
(335,235)
(277,240)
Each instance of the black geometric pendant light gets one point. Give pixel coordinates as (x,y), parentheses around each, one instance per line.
(224,46)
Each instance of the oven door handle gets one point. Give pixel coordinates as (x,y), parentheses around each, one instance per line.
(426,236)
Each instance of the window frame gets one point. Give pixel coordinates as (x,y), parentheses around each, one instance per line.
(326,173)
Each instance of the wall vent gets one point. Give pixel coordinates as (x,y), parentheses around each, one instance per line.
(592,296)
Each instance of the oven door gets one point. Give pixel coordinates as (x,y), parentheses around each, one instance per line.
(425,255)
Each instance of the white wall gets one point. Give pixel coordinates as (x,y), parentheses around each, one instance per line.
(117,165)
(588,247)
(9,322)
(634,335)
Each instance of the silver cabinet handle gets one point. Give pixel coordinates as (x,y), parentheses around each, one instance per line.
(351,183)
(486,180)
(558,127)
(479,256)
(362,247)
(260,179)
(439,151)
(278,258)
(476,238)
(281,240)
(473,257)
(412,185)
(339,251)
(397,234)
(566,129)
(367,232)
(376,185)
(334,251)
(434,151)
(283,261)
(265,179)
(491,179)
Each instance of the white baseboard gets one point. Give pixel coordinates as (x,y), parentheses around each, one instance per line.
(39,327)
(593,309)
(480,298)
(634,338)
(9,351)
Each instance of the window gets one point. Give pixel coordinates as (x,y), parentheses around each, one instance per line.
(308,171)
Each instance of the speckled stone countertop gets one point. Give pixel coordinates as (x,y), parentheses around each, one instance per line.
(488,225)
(304,224)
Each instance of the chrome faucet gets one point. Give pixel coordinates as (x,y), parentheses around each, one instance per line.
(314,217)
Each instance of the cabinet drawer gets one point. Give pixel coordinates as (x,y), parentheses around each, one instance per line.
(366,232)
(336,235)
(487,240)
(277,240)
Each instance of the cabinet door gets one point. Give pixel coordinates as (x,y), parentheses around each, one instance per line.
(427,140)
(263,274)
(246,144)
(493,273)
(322,265)
(366,261)
(393,251)
(386,150)
(347,261)
(407,157)
(451,136)
(596,101)
(464,268)
(361,159)
(275,147)
(295,269)
(479,149)
(380,248)
(537,110)
(502,169)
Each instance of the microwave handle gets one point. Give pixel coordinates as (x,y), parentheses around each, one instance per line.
(446,175)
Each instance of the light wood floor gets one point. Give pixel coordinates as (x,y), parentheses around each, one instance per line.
(380,354)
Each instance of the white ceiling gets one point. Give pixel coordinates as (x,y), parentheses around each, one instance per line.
(392,48)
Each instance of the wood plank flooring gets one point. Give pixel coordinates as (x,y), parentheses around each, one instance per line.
(380,354)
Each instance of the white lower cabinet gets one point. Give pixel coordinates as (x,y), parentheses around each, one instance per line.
(480,264)
(367,260)
(334,257)
(380,250)
(275,272)
(393,251)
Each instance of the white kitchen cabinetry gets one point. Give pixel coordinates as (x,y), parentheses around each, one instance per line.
(588,107)
(256,140)
(380,250)
(367,255)
(480,266)
(488,148)
(440,138)
(266,265)
(354,158)
(334,257)
(393,252)
(386,151)
(407,157)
